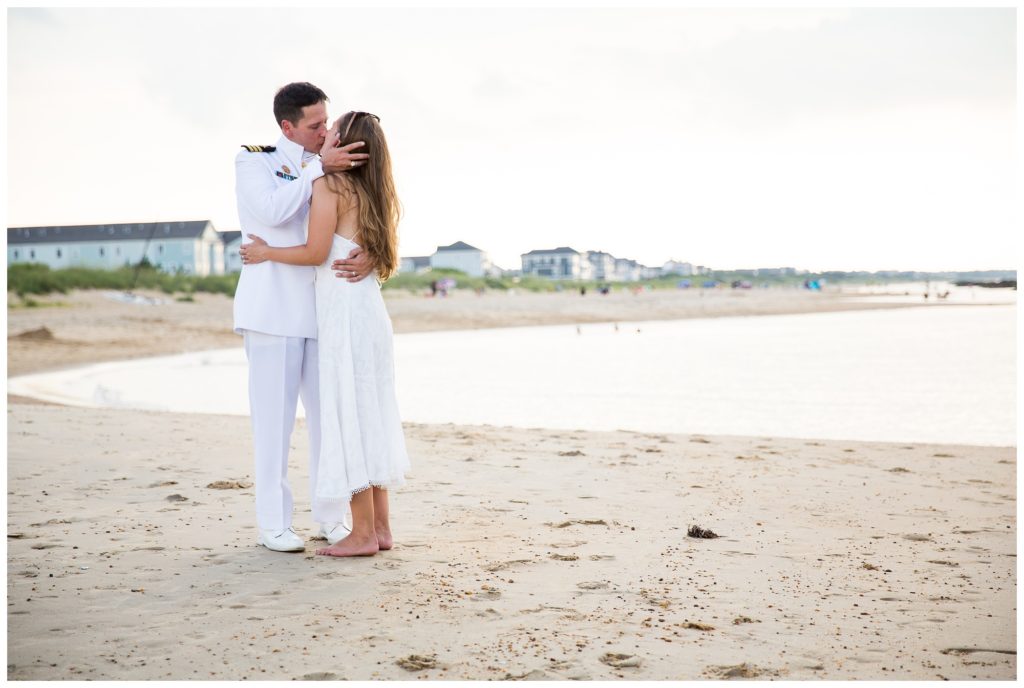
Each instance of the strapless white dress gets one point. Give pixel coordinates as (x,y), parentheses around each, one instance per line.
(361,440)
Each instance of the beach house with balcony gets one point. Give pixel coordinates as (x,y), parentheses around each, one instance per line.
(602,265)
(555,263)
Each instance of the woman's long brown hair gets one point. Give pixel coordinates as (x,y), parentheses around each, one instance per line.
(374,189)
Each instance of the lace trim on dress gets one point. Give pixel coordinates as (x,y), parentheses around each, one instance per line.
(383,485)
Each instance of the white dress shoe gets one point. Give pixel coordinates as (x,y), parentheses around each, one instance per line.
(333,532)
(285,541)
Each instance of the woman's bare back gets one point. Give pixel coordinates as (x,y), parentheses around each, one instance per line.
(348,210)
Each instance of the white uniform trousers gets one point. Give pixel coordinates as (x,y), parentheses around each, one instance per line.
(280,369)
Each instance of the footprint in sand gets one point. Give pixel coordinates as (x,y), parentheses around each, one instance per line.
(917,537)
(52,522)
(417,662)
(501,566)
(580,521)
(229,485)
(592,585)
(739,671)
(619,660)
(535,675)
(960,651)
(601,557)
(744,619)
(564,557)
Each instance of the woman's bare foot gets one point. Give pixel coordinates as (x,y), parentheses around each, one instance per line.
(384,539)
(352,545)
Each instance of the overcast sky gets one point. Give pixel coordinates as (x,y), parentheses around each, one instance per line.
(821,139)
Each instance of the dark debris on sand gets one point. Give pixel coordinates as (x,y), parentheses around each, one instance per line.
(696,531)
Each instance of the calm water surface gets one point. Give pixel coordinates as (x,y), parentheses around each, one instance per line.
(930,374)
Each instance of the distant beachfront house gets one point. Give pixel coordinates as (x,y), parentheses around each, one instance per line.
(602,265)
(414,264)
(232,242)
(627,270)
(555,263)
(192,247)
(462,256)
(675,267)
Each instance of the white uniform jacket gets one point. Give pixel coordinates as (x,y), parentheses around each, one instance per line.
(274,190)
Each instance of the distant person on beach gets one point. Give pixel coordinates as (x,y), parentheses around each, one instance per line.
(275,304)
(362,445)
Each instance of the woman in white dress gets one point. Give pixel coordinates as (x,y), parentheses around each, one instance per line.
(362,445)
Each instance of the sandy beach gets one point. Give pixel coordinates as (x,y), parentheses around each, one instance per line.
(520,554)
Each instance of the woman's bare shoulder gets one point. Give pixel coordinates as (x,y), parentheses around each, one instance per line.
(338,184)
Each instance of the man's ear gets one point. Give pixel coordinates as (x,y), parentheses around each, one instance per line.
(287,127)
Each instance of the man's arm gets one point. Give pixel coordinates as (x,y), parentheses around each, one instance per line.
(258,193)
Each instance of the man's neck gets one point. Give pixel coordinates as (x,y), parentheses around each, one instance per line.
(305,153)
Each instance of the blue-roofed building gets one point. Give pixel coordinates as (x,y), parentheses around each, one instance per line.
(232,259)
(193,247)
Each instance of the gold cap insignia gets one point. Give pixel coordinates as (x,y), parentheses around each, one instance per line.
(284,168)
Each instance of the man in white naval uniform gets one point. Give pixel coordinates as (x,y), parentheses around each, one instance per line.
(275,307)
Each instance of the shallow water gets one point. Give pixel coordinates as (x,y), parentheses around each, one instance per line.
(934,374)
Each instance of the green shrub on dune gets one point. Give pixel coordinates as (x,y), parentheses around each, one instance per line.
(35,278)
